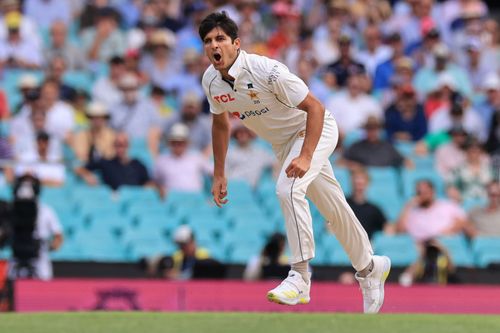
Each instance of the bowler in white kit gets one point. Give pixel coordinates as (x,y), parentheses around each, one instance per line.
(278,106)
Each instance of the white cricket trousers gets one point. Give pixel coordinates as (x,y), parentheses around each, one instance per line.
(319,185)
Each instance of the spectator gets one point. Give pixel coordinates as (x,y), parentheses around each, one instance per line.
(458,112)
(373,151)
(24,133)
(468,181)
(105,89)
(162,102)
(188,255)
(159,65)
(55,71)
(105,40)
(370,216)
(485,221)
(242,152)
(272,261)
(91,11)
(200,133)
(386,70)
(449,156)
(46,12)
(60,47)
(118,171)
(405,119)
(4,106)
(477,69)
(352,107)
(425,217)
(375,53)
(188,79)
(16,50)
(403,76)
(193,164)
(49,169)
(97,141)
(46,234)
(29,88)
(27,28)
(136,115)
(345,66)
(491,104)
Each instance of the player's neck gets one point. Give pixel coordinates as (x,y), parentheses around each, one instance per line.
(226,76)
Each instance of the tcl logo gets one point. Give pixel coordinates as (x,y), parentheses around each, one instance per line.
(224,98)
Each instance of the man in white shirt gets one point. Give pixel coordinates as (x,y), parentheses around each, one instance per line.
(278,106)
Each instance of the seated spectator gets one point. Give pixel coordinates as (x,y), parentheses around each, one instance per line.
(199,124)
(370,216)
(451,155)
(50,170)
(188,254)
(352,107)
(136,115)
(29,87)
(372,151)
(386,70)
(244,150)
(46,12)
(104,40)
(105,89)
(118,171)
(458,112)
(425,217)
(16,50)
(490,112)
(158,66)
(405,119)
(28,28)
(98,140)
(55,71)
(376,53)
(468,181)
(485,221)
(23,134)
(193,164)
(272,261)
(345,66)
(475,65)
(60,47)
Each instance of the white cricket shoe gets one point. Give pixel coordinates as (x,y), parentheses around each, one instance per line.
(372,286)
(293,290)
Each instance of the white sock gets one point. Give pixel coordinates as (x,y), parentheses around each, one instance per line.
(303,269)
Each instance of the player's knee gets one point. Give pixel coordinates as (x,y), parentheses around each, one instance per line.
(286,191)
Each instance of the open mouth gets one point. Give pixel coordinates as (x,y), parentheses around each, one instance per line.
(217,56)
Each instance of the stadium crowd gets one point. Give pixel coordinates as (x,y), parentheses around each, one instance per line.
(82,82)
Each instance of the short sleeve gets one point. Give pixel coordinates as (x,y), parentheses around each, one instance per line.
(207,81)
(52,220)
(288,87)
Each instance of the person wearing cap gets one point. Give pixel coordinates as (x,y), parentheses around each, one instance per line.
(41,163)
(97,141)
(198,123)
(104,40)
(278,106)
(60,46)
(119,170)
(28,86)
(405,119)
(136,115)
(352,106)
(490,106)
(194,165)
(426,77)
(474,63)
(372,151)
(245,150)
(185,258)
(17,51)
(345,66)
(28,28)
(105,89)
(158,64)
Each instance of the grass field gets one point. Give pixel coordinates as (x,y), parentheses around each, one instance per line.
(143,322)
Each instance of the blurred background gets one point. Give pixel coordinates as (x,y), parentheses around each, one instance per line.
(105,139)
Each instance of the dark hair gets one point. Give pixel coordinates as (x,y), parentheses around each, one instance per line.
(274,248)
(116,60)
(221,20)
(426,181)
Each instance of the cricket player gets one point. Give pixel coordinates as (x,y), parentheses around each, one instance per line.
(278,106)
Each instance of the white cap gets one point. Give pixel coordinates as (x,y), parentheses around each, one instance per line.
(28,81)
(164,37)
(191,98)
(178,132)
(441,51)
(446,80)
(129,81)
(491,82)
(183,234)
(96,109)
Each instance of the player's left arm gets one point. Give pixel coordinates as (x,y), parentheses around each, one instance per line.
(314,126)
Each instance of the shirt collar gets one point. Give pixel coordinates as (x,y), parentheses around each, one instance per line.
(235,69)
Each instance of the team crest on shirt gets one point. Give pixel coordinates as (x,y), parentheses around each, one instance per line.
(254,96)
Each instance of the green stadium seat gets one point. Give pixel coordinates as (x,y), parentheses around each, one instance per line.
(458,249)
(400,248)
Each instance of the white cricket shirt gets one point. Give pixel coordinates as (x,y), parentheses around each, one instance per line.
(264,96)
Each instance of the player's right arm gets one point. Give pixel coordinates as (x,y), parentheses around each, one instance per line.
(220,143)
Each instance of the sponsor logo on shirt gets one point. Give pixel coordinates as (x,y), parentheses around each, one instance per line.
(254,96)
(224,98)
(248,114)
(273,75)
